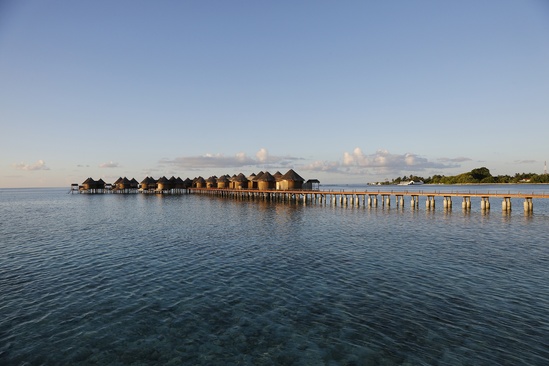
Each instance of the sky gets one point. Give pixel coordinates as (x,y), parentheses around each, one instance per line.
(341,91)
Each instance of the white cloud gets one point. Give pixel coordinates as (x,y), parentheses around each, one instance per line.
(39,165)
(262,159)
(241,157)
(382,161)
(323,166)
(262,155)
(110,164)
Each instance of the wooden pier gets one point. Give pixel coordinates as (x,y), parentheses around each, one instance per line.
(374,199)
(333,197)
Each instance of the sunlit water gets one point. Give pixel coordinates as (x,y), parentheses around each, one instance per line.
(150,279)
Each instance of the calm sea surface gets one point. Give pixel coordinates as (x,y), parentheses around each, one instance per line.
(196,280)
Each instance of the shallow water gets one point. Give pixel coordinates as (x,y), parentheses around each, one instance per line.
(139,279)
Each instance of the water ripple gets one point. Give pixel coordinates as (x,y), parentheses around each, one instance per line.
(198,280)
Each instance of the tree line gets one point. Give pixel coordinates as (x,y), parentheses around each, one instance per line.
(478,175)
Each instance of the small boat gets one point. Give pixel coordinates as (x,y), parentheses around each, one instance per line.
(411,183)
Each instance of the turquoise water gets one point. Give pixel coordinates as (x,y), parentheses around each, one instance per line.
(139,279)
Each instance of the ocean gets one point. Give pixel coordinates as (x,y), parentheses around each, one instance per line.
(201,280)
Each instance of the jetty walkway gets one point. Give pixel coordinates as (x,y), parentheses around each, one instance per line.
(374,198)
(343,198)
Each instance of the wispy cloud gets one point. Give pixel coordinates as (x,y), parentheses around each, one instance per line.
(525,161)
(323,166)
(382,161)
(460,159)
(39,165)
(110,164)
(262,158)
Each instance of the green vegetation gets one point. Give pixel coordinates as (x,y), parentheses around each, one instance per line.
(475,176)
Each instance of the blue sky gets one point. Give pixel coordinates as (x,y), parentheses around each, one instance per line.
(342,91)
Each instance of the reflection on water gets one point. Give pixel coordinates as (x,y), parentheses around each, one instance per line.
(118,279)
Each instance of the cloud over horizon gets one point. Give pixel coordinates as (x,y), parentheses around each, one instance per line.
(382,161)
(110,164)
(525,161)
(460,159)
(39,165)
(239,160)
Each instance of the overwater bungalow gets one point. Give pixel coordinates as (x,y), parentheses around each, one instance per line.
(313,184)
(100,184)
(172,182)
(144,186)
(152,184)
(163,184)
(87,185)
(266,181)
(223,182)
(253,180)
(122,185)
(277,175)
(239,182)
(211,182)
(117,183)
(92,186)
(290,180)
(179,184)
(199,182)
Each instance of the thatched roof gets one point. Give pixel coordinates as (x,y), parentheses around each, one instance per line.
(251,176)
(266,177)
(89,181)
(256,178)
(291,175)
(126,181)
(277,175)
(223,179)
(212,179)
(188,182)
(200,180)
(118,181)
(146,181)
(162,180)
(100,182)
(240,178)
(133,181)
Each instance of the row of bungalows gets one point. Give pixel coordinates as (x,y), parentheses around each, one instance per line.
(125,185)
(92,186)
(261,181)
(165,185)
